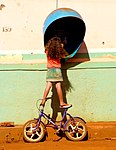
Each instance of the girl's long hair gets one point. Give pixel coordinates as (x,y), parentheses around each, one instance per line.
(55,49)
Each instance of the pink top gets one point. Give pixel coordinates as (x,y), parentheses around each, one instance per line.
(53,63)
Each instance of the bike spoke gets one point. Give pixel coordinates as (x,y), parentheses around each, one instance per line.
(80,130)
(29,132)
(31,127)
(32,136)
(77,134)
(38,134)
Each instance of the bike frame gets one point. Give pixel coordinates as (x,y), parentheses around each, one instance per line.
(44,115)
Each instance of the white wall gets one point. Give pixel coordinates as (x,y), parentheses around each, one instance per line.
(23,21)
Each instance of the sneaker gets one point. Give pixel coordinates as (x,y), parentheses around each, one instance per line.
(66,106)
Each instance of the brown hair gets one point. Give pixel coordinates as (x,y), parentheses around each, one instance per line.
(55,48)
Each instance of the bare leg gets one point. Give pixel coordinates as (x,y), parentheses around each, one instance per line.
(59,91)
(47,89)
(60,95)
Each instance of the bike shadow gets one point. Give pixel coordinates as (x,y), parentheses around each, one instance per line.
(80,57)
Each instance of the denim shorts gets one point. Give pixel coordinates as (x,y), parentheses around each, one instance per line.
(54,75)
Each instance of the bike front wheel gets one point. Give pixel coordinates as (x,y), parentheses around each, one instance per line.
(75,129)
(32,132)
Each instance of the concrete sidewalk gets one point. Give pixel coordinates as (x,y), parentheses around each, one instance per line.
(96,131)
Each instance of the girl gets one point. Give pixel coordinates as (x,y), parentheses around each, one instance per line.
(54,51)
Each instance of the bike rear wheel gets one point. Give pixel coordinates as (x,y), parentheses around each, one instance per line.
(75,129)
(32,132)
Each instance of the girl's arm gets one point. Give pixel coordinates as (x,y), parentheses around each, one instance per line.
(64,53)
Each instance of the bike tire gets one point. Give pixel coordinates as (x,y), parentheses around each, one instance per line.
(75,129)
(33,136)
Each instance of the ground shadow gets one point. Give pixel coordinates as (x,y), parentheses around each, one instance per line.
(80,57)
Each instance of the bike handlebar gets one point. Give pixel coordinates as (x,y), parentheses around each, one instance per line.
(38,106)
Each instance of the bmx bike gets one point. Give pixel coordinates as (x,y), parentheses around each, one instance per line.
(74,128)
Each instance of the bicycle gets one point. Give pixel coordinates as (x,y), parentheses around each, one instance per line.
(74,128)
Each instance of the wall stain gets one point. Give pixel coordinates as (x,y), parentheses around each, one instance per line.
(2,6)
(109,56)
